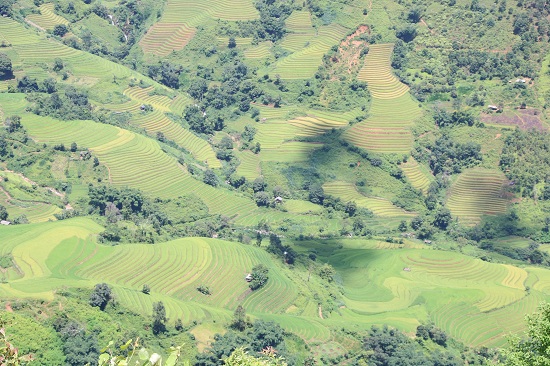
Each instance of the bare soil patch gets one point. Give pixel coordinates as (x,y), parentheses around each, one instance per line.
(527,119)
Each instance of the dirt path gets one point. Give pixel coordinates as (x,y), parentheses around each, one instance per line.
(6,193)
(321,312)
(35,25)
(423,22)
(8,308)
(31,182)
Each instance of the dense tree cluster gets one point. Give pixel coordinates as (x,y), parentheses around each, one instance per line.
(443,118)
(259,275)
(79,345)
(5,66)
(388,347)
(72,104)
(260,336)
(449,156)
(525,160)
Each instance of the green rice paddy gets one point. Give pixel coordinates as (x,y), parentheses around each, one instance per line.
(383,282)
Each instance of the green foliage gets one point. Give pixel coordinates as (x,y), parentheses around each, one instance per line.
(60,30)
(240,321)
(534,348)
(525,160)
(259,276)
(445,119)
(327,272)
(210,178)
(240,357)
(205,290)
(131,353)
(159,318)
(264,337)
(5,62)
(9,354)
(389,346)
(22,335)
(73,104)
(146,289)
(100,296)
(451,157)
(3,213)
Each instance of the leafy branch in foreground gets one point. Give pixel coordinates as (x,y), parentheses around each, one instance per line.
(131,353)
(9,355)
(534,348)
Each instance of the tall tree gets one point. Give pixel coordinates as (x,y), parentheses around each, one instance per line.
(100,296)
(5,66)
(159,317)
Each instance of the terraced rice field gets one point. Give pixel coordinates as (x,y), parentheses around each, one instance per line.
(475,301)
(193,12)
(249,166)
(419,176)
(163,38)
(378,74)
(181,17)
(379,206)
(309,51)
(466,297)
(54,254)
(136,161)
(145,96)
(260,51)
(477,192)
(290,152)
(387,129)
(35,212)
(157,122)
(47,19)
(301,31)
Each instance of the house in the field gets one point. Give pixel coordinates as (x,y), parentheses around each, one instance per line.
(5,222)
(278,199)
(248,277)
(493,107)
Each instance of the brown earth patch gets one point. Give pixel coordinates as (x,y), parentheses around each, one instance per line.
(526,119)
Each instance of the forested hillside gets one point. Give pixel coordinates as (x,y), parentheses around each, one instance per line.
(273,182)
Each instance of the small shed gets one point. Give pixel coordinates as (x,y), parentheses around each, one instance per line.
(493,107)
(248,277)
(427,241)
(278,199)
(4,222)
(407,269)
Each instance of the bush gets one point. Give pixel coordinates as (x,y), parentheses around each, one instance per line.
(100,296)
(210,178)
(205,290)
(5,66)
(259,277)
(60,30)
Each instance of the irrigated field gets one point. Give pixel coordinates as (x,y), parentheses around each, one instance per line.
(47,19)
(477,192)
(379,206)
(163,38)
(134,160)
(309,48)
(475,301)
(387,129)
(419,176)
(181,17)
